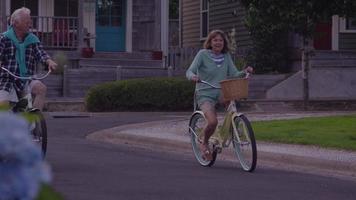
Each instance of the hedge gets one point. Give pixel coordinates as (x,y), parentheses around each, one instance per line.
(147,94)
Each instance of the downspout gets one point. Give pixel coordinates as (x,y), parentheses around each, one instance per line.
(180,17)
(164,30)
(80,26)
(128,34)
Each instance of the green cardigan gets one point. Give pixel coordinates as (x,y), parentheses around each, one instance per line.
(205,68)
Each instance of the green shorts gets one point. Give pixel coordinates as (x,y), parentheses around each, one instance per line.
(212,97)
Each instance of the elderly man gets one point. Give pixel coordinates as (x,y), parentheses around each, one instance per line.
(20,51)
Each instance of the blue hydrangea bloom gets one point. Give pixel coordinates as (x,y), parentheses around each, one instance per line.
(22,169)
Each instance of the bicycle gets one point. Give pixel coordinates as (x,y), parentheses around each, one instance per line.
(37,126)
(236,128)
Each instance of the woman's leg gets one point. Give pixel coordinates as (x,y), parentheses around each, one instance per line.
(209,111)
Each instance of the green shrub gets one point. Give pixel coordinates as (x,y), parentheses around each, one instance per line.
(148,94)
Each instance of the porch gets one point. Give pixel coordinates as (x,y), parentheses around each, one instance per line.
(60,33)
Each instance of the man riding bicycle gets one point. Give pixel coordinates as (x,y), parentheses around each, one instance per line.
(20,51)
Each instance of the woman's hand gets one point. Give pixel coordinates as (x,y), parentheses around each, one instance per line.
(248,69)
(195,78)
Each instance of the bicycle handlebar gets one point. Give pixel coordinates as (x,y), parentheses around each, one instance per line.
(28,77)
(217,87)
(207,83)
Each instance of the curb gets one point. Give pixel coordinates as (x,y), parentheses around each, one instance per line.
(278,158)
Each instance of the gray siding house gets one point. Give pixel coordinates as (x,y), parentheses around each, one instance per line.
(334,43)
(200,17)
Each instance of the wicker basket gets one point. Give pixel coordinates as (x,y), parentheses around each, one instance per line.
(234,88)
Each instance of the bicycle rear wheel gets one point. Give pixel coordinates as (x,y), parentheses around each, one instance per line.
(39,133)
(244,143)
(196,126)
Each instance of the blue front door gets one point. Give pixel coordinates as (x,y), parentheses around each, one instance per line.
(110,25)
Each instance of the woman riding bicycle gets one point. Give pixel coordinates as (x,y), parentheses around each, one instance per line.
(20,51)
(212,64)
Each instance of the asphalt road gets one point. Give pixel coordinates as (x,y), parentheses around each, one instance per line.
(89,170)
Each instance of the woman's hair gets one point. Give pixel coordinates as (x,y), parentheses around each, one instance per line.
(18,14)
(213,34)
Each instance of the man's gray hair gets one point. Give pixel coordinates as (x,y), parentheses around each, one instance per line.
(18,14)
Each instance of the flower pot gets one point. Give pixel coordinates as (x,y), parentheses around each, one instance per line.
(87,52)
(157,55)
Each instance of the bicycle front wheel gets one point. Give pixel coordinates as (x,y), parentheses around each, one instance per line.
(244,143)
(196,126)
(39,133)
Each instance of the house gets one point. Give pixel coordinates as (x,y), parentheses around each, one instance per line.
(105,25)
(334,42)
(129,38)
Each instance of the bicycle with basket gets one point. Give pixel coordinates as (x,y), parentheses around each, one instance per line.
(236,127)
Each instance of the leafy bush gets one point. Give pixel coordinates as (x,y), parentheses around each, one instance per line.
(148,94)
(22,168)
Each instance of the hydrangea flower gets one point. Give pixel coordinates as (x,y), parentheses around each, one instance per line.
(22,168)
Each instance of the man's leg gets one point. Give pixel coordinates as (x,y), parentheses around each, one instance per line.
(39,91)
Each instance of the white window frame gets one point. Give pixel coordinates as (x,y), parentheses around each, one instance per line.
(343,28)
(201,18)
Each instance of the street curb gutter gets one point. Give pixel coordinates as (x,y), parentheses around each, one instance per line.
(283,160)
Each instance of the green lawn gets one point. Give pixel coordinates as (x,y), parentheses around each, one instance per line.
(331,132)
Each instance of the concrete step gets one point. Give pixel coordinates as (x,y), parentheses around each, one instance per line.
(65,104)
(102,62)
(124,55)
(321,55)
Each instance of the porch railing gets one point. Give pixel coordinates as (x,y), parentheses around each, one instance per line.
(56,32)
(180,58)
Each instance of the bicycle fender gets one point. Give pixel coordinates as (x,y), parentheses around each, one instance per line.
(194,113)
(235,114)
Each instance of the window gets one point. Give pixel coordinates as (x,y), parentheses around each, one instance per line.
(110,13)
(66,8)
(30,4)
(204,18)
(348,25)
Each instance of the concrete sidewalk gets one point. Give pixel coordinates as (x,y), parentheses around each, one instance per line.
(173,134)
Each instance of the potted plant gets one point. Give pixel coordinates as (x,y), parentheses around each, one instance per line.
(87,52)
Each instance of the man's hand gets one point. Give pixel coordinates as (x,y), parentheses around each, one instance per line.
(51,64)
